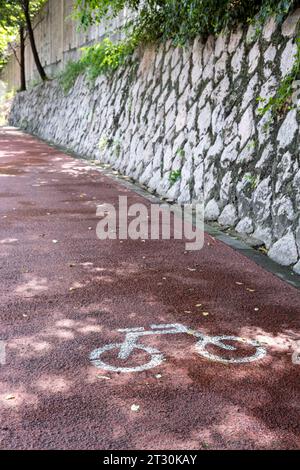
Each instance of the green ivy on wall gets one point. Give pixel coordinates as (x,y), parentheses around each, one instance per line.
(104,57)
(178,20)
(281,102)
(182,20)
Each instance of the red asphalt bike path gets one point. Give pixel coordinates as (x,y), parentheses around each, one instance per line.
(65,293)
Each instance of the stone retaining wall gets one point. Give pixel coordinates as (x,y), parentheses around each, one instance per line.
(184,122)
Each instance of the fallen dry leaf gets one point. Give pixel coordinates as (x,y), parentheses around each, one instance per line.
(10,397)
(135,407)
(205,445)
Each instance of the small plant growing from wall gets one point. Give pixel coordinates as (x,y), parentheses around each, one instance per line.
(252,179)
(181,153)
(70,74)
(104,57)
(103,143)
(251,145)
(282,101)
(175,175)
(117,148)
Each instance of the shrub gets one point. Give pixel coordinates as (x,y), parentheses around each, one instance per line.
(159,20)
(104,57)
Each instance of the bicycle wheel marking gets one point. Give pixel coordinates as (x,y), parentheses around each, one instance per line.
(133,335)
(156,359)
(219,340)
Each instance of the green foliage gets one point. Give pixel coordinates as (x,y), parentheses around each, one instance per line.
(282,100)
(104,57)
(180,152)
(182,20)
(103,143)
(252,179)
(153,20)
(175,175)
(89,12)
(12,11)
(117,147)
(252,144)
(11,18)
(7,36)
(279,8)
(69,75)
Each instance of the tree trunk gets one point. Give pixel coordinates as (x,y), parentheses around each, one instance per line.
(35,54)
(22,60)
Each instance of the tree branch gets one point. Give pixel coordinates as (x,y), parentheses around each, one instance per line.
(14,52)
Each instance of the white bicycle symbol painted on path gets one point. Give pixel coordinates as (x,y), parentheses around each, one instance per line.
(130,344)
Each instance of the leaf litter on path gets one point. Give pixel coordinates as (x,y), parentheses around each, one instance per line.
(135,408)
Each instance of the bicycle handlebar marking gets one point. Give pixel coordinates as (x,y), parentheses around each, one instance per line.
(130,344)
